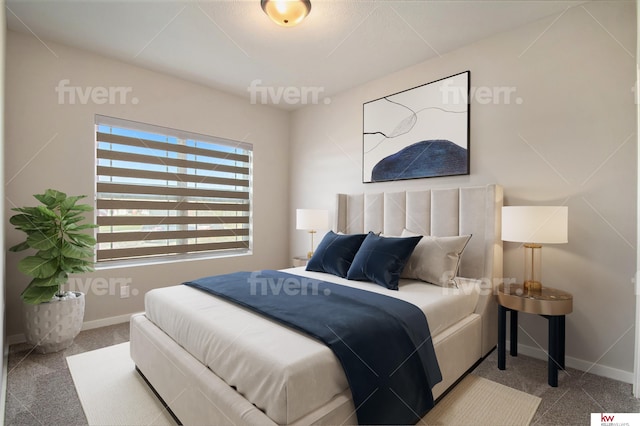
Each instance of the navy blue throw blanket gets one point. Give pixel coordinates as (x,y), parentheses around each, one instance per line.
(383,343)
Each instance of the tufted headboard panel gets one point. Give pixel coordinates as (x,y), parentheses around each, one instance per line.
(439,212)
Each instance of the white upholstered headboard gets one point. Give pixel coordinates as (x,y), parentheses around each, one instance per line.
(439,212)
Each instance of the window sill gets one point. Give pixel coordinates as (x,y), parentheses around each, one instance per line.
(134,263)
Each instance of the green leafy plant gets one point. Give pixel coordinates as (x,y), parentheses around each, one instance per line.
(54,230)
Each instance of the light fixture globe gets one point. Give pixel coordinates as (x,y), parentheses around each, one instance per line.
(287,13)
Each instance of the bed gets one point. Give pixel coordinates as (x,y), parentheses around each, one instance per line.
(214,362)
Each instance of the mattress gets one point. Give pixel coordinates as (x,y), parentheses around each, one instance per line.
(281,371)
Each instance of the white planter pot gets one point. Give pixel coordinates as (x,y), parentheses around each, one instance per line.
(52,326)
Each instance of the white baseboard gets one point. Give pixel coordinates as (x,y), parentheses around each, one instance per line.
(578,364)
(15,339)
(3,384)
(87,325)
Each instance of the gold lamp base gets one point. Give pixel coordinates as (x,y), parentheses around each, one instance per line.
(532,268)
(310,252)
(532,286)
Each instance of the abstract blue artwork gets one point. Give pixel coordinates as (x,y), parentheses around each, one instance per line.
(418,133)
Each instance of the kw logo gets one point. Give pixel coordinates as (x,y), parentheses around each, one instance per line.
(606,419)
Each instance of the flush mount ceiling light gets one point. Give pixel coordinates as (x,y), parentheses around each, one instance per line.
(287,13)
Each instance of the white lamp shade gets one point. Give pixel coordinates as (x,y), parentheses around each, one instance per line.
(535,224)
(311,219)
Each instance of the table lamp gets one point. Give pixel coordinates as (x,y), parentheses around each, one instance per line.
(311,220)
(534,226)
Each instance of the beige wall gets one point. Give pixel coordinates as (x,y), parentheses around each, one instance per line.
(51,144)
(571,140)
(3,36)
(636,368)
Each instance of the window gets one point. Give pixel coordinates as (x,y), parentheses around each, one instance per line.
(164,193)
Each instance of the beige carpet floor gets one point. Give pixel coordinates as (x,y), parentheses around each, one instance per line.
(113,393)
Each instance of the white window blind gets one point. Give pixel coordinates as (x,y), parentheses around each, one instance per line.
(167,193)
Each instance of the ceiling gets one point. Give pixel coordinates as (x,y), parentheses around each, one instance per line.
(228,45)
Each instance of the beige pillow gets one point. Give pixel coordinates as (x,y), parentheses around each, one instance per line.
(435,259)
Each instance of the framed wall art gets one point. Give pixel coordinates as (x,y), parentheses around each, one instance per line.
(418,133)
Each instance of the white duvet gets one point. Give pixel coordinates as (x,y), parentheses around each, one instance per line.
(282,371)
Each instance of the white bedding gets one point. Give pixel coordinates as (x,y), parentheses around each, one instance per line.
(281,371)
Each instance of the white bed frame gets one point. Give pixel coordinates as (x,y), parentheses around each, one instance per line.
(197,396)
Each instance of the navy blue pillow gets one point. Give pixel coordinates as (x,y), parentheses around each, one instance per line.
(381,259)
(335,253)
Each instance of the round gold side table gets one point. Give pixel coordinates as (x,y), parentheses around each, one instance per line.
(548,302)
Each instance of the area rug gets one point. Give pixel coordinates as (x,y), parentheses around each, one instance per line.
(113,393)
(477,401)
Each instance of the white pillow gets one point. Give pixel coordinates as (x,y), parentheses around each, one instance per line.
(435,259)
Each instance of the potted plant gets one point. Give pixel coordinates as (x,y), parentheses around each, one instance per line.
(53,318)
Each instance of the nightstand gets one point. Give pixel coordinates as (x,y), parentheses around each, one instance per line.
(549,303)
(300,261)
